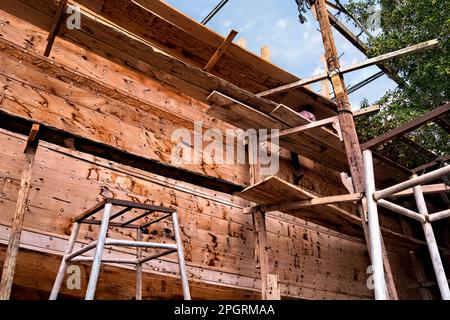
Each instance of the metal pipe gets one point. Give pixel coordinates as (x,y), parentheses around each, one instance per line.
(128,243)
(85,249)
(214,11)
(433,175)
(439,215)
(92,284)
(432,245)
(374,229)
(157,255)
(181,262)
(111,260)
(63,266)
(138,266)
(399,209)
(145,225)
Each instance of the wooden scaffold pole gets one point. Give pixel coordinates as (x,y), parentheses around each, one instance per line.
(9,265)
(348,129)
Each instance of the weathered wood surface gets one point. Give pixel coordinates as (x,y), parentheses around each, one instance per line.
(218,237)
(19,215)
(313,262)
(187,40)
(117,68)
(320,145)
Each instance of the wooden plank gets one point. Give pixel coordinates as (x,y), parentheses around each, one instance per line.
(57,20)
(307,203)
(312,125)
(426,189)
(198,210)
(407,127)
(9,265)
(237,113)
(275,191)
(293,119)
(220,51)
(255,74)
(364,111)
(318,144)
(60,137)
(361,46)
(354,67)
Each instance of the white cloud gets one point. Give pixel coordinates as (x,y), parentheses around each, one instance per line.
(282,23)
(318,70)
(226,23)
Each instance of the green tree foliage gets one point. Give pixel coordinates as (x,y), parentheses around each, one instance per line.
(426,75)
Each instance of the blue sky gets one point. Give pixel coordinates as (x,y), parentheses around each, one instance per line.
(294,47)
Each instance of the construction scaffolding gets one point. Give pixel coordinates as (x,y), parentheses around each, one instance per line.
(196,73)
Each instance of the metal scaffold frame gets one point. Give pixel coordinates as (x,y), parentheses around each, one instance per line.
(378,198)
(103,240)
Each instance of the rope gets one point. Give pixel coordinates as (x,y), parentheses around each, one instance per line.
(302,6)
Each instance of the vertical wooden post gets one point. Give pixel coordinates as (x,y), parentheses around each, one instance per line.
(420,275)
(265,53)
(260,240)
(273,289)
(325,83)
(262,259)
(57,20)
(138,267)
(16,229)
(242,43)
(347,125)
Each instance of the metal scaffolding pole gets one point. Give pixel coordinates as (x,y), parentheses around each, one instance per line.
(376,252)
(432,244)
(92,284)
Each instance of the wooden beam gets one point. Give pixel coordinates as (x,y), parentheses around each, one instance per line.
(426,189)
(357,66)
(418,148)
(444,124)
(57,20)
(367,110)
(9,265)
(407,127)
(262,258)
(34,132)
(22,125)
(361,46)
(325,83)
(420,275)
(312,125)
(431,164)
(306,203)
(391,163)
(220,51)
(259,231)
(332,5)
